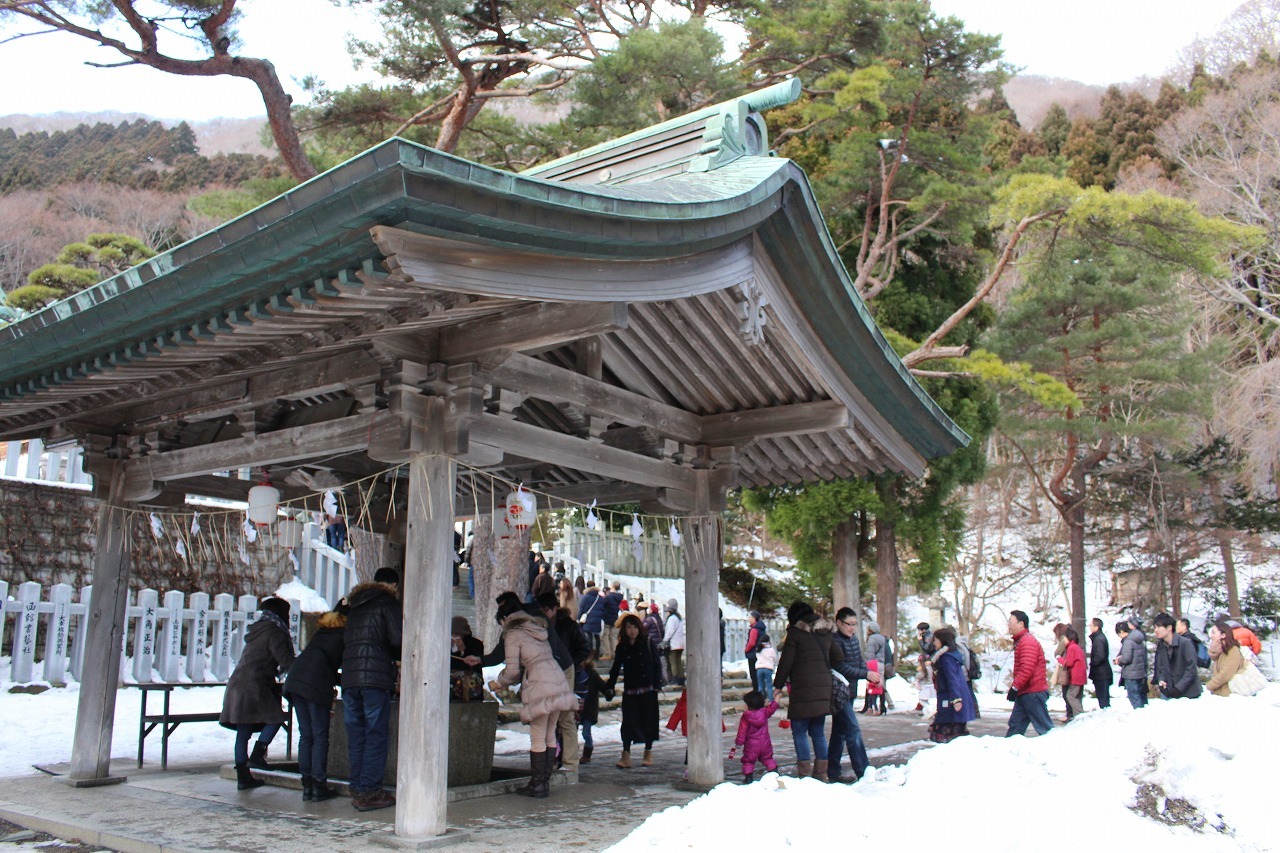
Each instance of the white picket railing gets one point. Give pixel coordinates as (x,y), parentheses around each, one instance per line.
(170,637)
(330,572)
(30,461)
(617,551)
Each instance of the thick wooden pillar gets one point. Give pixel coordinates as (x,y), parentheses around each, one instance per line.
(703,551)
(100,676)
(423,753)
(846,591)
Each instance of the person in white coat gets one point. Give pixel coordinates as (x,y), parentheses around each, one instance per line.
(673,642)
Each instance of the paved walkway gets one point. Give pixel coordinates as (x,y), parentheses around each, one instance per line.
(190,808)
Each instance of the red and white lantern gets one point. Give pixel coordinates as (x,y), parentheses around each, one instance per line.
(522,510)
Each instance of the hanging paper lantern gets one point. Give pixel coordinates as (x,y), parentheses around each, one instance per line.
(264,500)
(522,509)
(289,532)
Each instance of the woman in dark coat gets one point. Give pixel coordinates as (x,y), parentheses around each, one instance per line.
(310,686)
(956,704)
(808,656)
(638,661)
(252,699)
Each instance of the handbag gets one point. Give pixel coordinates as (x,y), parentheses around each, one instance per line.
(1062,676)
(1248,681)
(839,690)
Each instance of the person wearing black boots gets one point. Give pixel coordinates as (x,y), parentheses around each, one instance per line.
(310,686)
(252,699)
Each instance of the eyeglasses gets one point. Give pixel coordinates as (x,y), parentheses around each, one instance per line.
(846,622)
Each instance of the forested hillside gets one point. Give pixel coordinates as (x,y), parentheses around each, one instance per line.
(1087,282)
(139,154)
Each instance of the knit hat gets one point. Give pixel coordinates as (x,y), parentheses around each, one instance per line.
(873,627)
(653,607)
(278,606)
(672,606)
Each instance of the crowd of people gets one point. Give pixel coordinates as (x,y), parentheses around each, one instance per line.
(550,643)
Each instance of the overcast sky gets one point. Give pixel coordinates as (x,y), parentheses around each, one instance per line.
(1093,41)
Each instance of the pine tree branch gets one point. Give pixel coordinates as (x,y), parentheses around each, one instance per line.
(993,278)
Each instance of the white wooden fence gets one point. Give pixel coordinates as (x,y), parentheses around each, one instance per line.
(616,553)
(29,460)
(330,572)
(170,638)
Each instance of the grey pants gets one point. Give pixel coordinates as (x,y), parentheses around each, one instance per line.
(1073,693)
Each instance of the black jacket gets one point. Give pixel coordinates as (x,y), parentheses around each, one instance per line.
(570,634)
(315,673)
(853,667)
(372,638)
(1099,657)
(638,663)
(1176,666)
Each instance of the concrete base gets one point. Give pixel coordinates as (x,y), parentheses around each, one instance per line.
(473,729)
(93,783)
(680,785)
(390,839)
(493,788)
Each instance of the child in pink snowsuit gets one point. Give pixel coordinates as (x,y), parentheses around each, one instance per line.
(753,735)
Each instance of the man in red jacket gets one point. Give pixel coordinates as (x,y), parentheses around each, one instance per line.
(1029,691)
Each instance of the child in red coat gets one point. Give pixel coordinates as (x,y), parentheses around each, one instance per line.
(875,693)
(753,736)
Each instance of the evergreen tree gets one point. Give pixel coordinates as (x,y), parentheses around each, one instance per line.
(1102,311)
(77,267)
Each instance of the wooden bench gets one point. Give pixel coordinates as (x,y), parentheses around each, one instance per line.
(169,721)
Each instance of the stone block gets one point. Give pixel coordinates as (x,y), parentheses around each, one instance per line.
(473,727)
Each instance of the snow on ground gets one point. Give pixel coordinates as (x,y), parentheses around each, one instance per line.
(995,794)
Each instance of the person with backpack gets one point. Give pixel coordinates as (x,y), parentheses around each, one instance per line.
(1202,650)
(591,615)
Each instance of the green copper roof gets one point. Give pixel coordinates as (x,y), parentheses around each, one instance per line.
(294,245)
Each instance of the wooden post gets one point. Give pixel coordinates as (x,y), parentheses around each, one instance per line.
(95,713)
(703,553)
(423,754)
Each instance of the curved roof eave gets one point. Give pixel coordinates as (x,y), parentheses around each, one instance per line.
(322,227)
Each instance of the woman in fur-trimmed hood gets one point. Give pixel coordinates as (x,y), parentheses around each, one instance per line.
(544,693)
(808,656)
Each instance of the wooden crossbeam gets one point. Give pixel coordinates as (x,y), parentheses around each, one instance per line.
(530,442)
(774,422)
(536,326)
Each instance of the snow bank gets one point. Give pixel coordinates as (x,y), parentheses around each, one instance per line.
(308,599)
(995,794)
